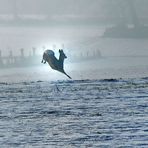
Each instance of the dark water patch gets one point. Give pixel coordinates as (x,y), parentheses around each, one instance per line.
(142,106)
(146,130)
(110,80)
(96,114)
(96,80)
(31,82)
(141,97)
(39,81)
(144,78)
(106,138)
(143,145)
(56,113)
(92,138)
(80,81)
(74,81)
(3,117)
(18,91)
(39,114)
(4,83)
(25,83)
(13,90)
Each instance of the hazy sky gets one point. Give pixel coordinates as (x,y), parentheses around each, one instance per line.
(60,9)
(48,22)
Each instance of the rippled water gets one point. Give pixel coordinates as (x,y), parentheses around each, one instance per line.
(79,113)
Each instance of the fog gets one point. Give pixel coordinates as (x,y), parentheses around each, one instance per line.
(76,26)
(65,10)
(93,93)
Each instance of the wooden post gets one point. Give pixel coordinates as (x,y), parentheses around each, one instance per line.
(22,52)
(34,51)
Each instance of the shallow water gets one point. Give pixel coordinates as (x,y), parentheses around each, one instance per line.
(102,68)
(78,113)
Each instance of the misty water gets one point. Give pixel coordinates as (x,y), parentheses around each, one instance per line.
(104,105)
